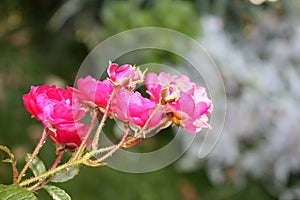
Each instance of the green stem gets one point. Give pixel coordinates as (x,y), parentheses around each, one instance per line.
(54,171)
(116,146)
(40,185)
(32,156)
(80,150)
(105,115)
(64,166)
(32,188)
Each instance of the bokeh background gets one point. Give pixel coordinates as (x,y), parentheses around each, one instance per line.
(256,45)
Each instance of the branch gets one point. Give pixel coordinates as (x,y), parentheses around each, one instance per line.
(35,152)
(56,162)
(64,166)
(79,152)
(116,146)
(100,127)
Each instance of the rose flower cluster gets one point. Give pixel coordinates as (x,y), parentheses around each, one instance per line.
(173,100)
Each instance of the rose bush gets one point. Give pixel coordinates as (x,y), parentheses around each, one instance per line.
(173,100)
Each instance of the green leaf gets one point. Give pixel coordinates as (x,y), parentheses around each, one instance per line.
(65,175)
(37,166)
(6,150)
(56,193)
(13,192)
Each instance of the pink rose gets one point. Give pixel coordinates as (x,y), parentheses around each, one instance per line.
(134,108)
(69,139)
(125,75)
(188,104)
(54,107)
(94,92)
(175,84)
(191,109)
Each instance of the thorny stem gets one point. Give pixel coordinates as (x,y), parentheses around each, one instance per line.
(105,115)
(56,162)
(32,156)
(79,152)
(116,146)
(32,188)
(64,166)
(54,171)
(15,172)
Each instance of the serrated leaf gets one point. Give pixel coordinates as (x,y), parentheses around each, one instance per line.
(57,193)
(13,192)
(65,175)
(37,165)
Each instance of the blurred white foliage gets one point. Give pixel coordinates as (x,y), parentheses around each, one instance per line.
(261,135)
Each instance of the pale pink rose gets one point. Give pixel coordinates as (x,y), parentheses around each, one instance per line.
(125,75)
(176,84)
(134,108)
(94,92)
(54,107)
(188,104)
(190,110)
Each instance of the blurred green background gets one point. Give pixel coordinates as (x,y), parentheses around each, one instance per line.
(46,41)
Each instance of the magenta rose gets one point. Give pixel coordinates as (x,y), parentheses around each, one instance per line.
(54,107)
(134,108)
(69,139)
